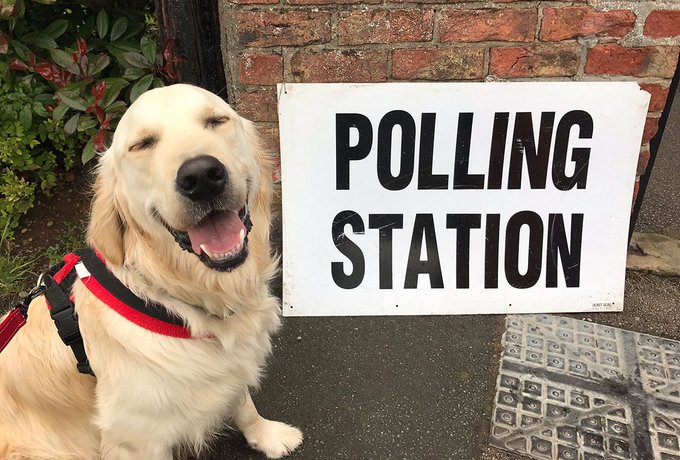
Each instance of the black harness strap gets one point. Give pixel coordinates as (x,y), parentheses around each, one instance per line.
(62,310)
(98,270)
(64,316)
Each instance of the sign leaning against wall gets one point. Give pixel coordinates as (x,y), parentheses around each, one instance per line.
(457,198)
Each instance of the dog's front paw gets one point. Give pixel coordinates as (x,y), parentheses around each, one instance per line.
(274,439)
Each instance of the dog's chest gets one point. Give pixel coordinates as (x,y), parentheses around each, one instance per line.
(188,384)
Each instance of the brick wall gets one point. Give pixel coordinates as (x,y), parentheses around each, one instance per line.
(271,41)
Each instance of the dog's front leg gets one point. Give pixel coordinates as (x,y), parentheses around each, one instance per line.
(117,447)
(274,439)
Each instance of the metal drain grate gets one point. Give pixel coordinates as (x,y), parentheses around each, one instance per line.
(574,390)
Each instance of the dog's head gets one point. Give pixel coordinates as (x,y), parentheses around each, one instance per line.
(183,165)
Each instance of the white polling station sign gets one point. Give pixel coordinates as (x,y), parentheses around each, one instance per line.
(457,198)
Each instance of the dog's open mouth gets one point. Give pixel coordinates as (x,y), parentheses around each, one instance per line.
(220,239)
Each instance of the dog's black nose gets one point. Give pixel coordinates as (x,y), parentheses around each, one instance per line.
(201,178)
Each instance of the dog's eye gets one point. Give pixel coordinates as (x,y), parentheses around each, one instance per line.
(143,144)
(214,122)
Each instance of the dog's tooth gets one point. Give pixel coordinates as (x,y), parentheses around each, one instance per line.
(242,235)
(207,252)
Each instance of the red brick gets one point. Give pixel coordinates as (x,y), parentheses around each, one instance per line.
(385,26)
(515,25)
(662,23)
(557,60)
(431,1)
(254,2)
(331,2)
(643,161)
(636,190)
(659,96)
(282,28)
(438,64)
(258,105)
(651,127)
(571,22)
(260,69)
(339,66)
(276,170)
(649,61)
(513,1)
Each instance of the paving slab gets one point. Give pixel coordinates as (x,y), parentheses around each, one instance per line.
(575,390)
(658,254)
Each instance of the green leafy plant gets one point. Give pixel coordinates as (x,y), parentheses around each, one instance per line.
(31,143)
(66,82)
(109,53)
(70,239)
(14,269)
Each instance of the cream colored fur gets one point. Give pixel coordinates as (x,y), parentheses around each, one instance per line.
(153,393)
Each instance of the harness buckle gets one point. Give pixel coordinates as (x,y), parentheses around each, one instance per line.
(67,325)
(62,311)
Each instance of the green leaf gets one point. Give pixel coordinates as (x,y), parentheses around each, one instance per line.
(137,60)
(72,123)
(20,8)
(20,49)
(74,88)
(44,98)
(141,86)
(102,23)
(39,109)
(135,30)
(59,112)
(118,48)
(158,83)
(40,40)
(64,60)
(134,73)
(118,106)
(88,152)
(56,29)
(26,117)
(118,29)
(73,101)
(113,88)
(98,64)
(148,47)
(86,123)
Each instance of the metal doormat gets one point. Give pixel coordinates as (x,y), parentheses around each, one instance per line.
(575,390)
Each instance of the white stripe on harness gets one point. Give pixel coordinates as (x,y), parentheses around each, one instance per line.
(82,271)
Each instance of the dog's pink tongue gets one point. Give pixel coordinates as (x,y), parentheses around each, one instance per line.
(219,232)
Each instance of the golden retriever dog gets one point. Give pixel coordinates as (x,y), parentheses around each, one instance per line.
(174,199)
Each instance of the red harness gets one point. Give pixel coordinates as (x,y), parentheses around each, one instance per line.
(90,268)
(100,282)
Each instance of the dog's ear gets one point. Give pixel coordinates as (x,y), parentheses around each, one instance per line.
(107,227)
